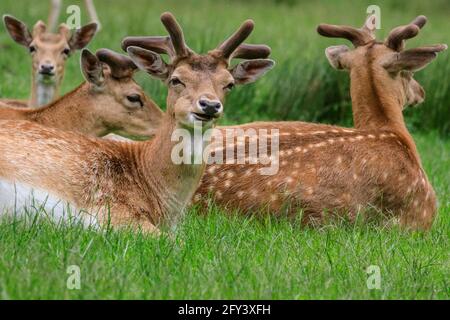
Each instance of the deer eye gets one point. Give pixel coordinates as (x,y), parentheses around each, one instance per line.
(229,87)
(135,98)
(66,51)
(175,82)
(32,49)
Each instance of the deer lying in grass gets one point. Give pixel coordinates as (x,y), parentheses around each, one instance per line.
(49,52)
(134,184)
(332,171)
(109,101)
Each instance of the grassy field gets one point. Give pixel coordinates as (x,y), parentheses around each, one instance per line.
(226,256)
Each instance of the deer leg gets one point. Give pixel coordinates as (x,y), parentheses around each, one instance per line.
(55,10)
(92,13)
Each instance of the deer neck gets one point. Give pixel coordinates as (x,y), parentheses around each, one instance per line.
(71,112)
(173,184)
(377,104)
(43,92)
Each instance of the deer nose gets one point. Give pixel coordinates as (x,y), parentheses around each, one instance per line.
(46,68)
(210,107)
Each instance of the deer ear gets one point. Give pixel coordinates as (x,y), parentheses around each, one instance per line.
(92,68)
(337,56)
(412,59)
(251,70)
(81,37)
(149,61)
(17,30)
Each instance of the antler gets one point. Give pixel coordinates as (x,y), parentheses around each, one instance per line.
(232,43)
(358,37)
(175,46)
(251,51)
(397,37)
(121,66)
(157,44)
(176,34)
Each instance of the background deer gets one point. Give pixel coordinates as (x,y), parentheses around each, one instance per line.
(109,101)
(49,52)
(137,183)
(366,108)
(326,170)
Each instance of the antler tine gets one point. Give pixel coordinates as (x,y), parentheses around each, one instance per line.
(356,36)
(251,51)
(231,44)
(121,66)
(176,34)
(397,37)
(161,44)
(420,21)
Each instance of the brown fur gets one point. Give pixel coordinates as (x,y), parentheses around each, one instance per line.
(127,183)
(326,170)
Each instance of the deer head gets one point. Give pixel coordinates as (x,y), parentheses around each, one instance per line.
(118,100)
(387,63)
(198,83)
(49,51)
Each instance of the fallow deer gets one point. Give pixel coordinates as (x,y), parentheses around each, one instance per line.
(49,52)
(134,184)
(325,170)
(365,107)
(109,101)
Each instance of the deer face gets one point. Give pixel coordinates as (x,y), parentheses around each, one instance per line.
(119,101)
(197,83)
(386,60)
(49,51)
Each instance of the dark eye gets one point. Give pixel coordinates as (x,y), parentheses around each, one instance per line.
(135,98)
(32,49)
(229,87)
(66,51)
(175,82)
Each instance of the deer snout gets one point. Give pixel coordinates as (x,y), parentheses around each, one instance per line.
(211,108)
(47,69)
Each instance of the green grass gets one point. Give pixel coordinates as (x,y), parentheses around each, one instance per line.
(225,256)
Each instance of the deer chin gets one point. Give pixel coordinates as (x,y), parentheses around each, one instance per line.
(196,120)
(47,78)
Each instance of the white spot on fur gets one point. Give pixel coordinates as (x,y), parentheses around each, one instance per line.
(212,169)
(240,194)
(227,183)
(230,174)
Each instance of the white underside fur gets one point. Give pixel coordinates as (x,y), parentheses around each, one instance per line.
(19,198)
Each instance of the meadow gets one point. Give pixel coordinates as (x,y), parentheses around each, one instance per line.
(224,255)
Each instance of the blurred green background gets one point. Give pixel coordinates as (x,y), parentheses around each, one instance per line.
(301,87)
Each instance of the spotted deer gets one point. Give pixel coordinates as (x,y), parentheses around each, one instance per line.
(109,101)
(327,171)
(129,183)
(49,52)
